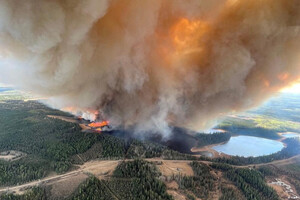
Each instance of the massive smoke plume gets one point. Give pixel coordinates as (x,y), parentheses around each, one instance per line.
(151,63)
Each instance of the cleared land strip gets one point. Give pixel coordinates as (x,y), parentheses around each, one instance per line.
(290,160)
(104,168)
(38,182)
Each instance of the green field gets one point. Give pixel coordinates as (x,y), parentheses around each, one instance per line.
(280,114)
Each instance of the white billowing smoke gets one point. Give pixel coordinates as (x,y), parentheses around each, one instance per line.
(151,63)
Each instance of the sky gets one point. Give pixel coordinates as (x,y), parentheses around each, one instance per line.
(293,89)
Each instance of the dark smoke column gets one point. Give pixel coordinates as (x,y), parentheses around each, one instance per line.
(151,63)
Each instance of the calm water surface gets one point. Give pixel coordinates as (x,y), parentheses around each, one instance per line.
(249,146)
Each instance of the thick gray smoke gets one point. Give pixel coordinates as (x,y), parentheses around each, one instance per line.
(151,63)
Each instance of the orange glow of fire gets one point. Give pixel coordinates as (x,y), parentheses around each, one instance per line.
(99,124)
(283,76)
(293,87)
(69,109)
(267,83)
(186,34)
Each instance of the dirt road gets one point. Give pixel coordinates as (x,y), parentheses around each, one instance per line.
(104,168)
(100,168)
(287,161)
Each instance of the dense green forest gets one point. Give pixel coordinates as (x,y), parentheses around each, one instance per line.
(201,183)
(94,188)
(22,171)
(208,139)
(228,193)
(238,126)
(250,181)
(138,149)
(52,144)
(35,193)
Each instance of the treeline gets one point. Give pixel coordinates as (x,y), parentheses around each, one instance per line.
(59,157)
(200,184)
(145,182)
(139,149)
(215,138)
(52,143)
(21,171)
(247,127)
(93,188)
(228,193)
(250,181)
(35,193)
(292,149)
(290,171)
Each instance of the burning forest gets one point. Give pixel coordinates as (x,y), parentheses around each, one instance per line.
(150,63)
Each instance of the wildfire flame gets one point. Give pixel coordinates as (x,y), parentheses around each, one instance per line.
(99,124)
(147,64)
(283,76)
(267,83)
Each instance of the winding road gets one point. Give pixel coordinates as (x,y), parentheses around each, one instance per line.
(105,167)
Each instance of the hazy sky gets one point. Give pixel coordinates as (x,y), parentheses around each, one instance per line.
(293,89)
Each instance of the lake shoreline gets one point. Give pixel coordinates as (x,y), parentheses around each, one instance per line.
(210,149)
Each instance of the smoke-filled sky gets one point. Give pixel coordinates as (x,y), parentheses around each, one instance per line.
(151,63)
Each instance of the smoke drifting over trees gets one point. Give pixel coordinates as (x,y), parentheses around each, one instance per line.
(151,62)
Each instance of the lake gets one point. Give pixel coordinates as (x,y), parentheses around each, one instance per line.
(249,146)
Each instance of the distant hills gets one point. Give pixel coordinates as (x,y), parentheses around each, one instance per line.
(4,89)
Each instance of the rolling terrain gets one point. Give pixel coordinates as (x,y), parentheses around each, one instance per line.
(61,160)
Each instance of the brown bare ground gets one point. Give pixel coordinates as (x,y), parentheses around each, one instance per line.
(7,157)
(67,119)
(84,127)
(100,168)
(281,191)
(291,160)
(61,189)
(11,155)
(209,148)
(176,195)
(71,120)
(170,167)
(172,185)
